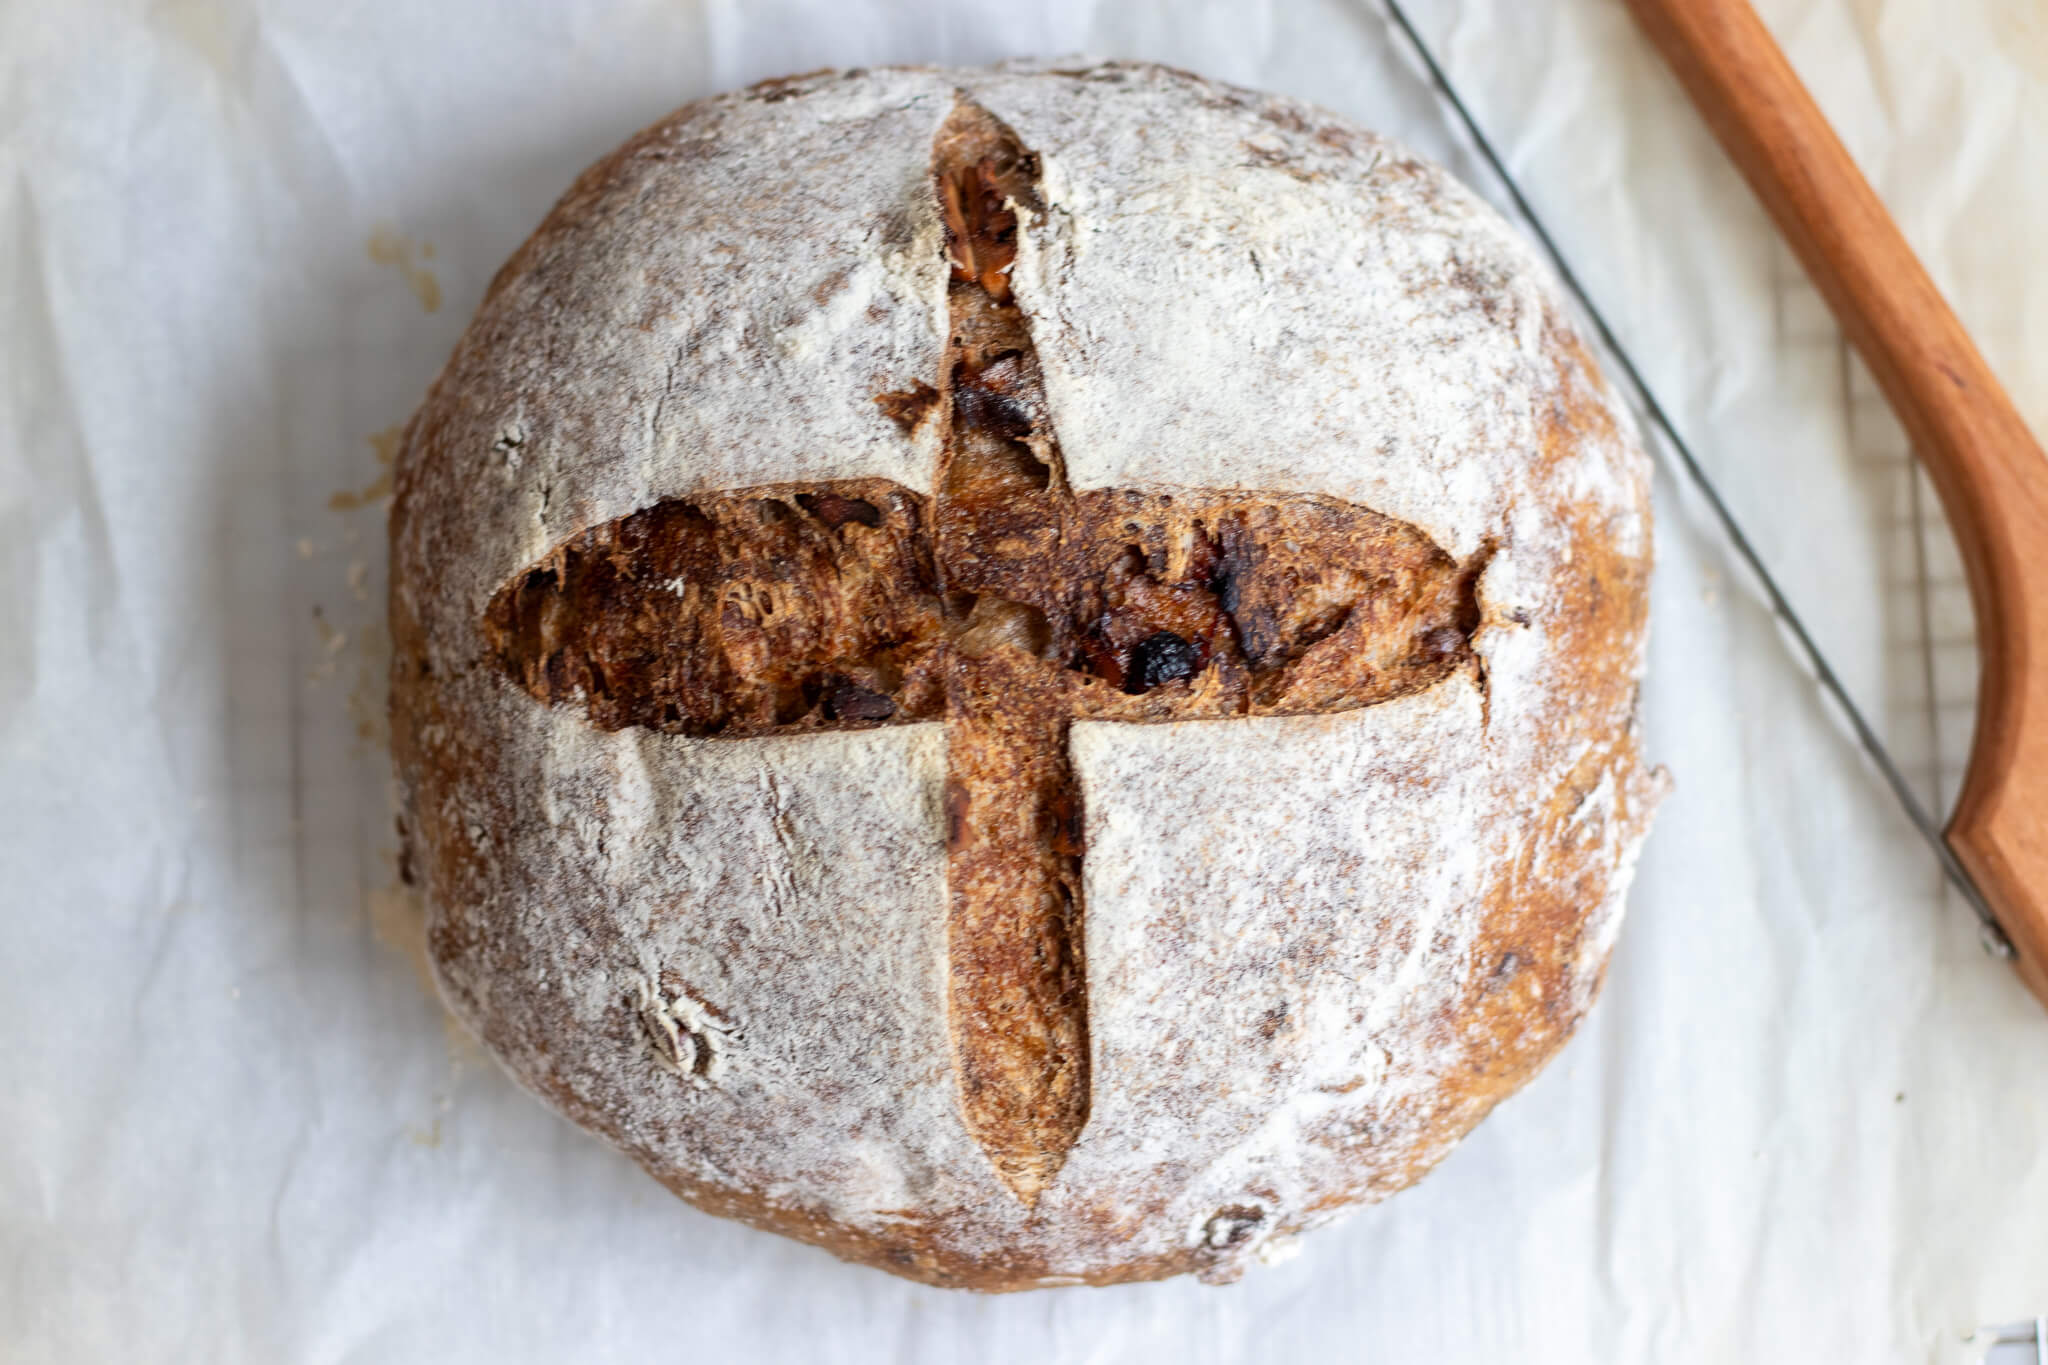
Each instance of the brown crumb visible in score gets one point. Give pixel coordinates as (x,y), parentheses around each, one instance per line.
(836,511)
(983,176)
(958,804)
(771,611)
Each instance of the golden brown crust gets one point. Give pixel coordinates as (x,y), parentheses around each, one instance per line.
(1007,605)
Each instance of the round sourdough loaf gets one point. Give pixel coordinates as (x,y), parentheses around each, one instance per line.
(1025,674)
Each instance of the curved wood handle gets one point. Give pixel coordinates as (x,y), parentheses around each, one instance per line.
(1992,476)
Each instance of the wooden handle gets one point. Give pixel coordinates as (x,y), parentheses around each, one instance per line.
(1992,477)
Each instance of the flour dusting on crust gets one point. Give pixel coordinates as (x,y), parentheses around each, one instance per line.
(1318,948)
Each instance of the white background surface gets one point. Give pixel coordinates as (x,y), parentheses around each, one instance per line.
(1806,1123)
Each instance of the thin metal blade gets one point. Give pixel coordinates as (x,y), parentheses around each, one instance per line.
(1995,941)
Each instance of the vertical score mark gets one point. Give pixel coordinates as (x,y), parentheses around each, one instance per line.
(1018,991)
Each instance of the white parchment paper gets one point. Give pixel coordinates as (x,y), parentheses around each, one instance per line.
(237,238)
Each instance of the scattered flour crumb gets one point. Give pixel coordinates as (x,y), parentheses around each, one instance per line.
(1278,1250)
(387,247)
(398,920)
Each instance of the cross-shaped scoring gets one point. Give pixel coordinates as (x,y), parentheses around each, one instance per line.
(1006,606)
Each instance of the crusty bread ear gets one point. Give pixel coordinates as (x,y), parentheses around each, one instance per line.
(994,879)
